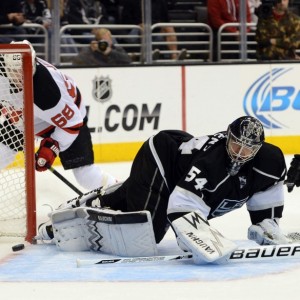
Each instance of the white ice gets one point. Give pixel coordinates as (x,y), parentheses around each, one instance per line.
(41,272)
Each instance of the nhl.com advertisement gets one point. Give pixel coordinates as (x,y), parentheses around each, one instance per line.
(129,104)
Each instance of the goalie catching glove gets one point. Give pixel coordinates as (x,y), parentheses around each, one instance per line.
(293,174)
(267,232)
(46,154)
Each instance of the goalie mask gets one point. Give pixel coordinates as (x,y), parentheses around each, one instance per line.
(244,138)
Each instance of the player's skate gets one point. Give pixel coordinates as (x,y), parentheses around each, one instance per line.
(45,232)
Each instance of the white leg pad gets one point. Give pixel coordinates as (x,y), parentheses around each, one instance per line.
(194,234)
(118,233)
(108,231)
(69,230)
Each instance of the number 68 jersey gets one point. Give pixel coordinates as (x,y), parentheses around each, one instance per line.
(58,107)
(199,178)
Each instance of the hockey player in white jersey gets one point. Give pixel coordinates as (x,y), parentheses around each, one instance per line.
(184,181)
(60,121)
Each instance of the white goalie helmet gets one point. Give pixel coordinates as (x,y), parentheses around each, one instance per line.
(13,61)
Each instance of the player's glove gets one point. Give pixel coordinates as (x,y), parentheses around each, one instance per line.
(267,232)
(46,154)
(293,174)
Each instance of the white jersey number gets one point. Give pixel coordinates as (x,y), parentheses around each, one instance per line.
(192,175)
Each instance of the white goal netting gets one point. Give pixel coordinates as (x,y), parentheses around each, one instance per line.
(15,202)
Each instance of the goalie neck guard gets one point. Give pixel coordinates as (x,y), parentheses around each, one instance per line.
(245,136)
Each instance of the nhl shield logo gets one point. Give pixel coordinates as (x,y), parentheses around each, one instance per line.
(243,181)
(102,89)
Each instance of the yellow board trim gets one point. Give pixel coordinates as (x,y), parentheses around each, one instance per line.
(104,153)
(117,152)
(127,151)
(288,144)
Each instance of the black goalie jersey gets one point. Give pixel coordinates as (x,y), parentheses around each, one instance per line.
(196,171)
(175,173)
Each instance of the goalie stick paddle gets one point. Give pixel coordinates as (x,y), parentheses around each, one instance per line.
(241,255)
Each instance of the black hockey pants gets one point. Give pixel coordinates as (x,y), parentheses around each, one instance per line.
(145,189)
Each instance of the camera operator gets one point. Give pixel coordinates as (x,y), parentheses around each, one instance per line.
(102,52)
(278,31)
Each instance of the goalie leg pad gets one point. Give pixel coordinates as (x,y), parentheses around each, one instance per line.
(108,231)
(69,230)
(119,233)
(194,234)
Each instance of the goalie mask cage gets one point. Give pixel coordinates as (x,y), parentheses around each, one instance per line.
(17,173)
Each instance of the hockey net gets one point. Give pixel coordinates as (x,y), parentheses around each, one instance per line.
(17,181)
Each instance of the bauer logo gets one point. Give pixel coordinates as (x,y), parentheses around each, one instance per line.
(273,98)
(102,91)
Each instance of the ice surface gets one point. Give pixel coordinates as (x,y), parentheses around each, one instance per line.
(42,272)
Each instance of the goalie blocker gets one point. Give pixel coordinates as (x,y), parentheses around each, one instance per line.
(194,234)
(108,231)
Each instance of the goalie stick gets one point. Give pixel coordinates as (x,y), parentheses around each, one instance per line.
(121,260)
(64,180)
(80,200)
(90,196)
(240,255)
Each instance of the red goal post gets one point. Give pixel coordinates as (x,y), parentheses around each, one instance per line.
(17,173)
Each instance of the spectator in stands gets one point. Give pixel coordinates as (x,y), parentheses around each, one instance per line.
(132,14)
(11,13)
(84,12)
(253,5)
(37,12)
(278,32)
(67,40)
(102,52)
(220,12)
(113,10)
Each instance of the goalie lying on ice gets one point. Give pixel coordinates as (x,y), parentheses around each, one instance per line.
(184,181)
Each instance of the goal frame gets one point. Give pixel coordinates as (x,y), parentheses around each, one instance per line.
(30,188)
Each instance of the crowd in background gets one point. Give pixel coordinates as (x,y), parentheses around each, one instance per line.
(275,26)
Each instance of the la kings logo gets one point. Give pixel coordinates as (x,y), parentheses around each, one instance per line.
(228,205)
(102,90)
